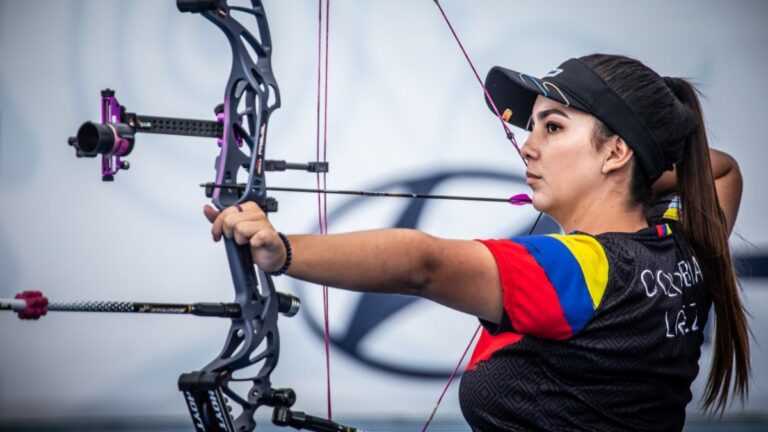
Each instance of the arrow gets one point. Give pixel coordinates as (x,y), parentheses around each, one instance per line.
(519,199)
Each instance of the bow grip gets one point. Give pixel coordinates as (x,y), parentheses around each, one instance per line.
(241,266)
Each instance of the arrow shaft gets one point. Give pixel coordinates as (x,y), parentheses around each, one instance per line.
(367,193)
(388,194)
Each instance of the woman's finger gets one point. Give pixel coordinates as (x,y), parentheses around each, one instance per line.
(218,225)
(210,213)
(232,220)
(224,221)
(244,230)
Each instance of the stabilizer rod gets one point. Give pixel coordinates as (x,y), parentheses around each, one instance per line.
(288,305)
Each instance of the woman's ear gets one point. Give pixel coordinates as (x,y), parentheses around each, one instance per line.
(617,155)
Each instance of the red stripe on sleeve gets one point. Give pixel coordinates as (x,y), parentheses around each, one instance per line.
(530,300)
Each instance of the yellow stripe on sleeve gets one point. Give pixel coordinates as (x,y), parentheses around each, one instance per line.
(592,260)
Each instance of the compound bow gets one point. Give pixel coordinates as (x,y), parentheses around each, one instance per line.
(250,97)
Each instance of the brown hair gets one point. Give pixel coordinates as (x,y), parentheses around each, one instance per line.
(670,109)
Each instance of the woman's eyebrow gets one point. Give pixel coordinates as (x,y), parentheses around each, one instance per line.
(544,113)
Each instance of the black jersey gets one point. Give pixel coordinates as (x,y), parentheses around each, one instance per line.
(600,333)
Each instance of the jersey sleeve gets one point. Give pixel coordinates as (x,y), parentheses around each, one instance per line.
(552,283)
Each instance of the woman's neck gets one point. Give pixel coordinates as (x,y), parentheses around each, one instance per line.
(606,213)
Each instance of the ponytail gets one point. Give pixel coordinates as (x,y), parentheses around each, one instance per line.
(670,109)
(703,225)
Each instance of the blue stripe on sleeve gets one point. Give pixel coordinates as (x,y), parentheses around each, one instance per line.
(565,274)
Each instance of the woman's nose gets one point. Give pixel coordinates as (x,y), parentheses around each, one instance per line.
(527,150)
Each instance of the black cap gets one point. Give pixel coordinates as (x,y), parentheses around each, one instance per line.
(576,85)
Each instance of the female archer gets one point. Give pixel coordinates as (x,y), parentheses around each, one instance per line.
(597,329)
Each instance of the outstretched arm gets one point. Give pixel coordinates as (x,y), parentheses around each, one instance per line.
(460,274)
(728,184)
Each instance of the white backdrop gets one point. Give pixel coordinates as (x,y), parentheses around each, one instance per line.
(402,104)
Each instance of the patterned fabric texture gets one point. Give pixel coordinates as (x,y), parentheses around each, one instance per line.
(601,333)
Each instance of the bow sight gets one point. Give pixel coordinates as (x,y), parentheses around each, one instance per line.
(114,137)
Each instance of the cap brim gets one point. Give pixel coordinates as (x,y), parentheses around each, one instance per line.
(516,91)
(509,92)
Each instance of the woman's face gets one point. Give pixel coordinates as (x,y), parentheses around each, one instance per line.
(563,164)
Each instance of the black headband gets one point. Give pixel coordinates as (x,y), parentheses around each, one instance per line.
(576,85)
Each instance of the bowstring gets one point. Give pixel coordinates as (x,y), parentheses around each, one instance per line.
(325,202)
(507,130)
(511,137)
(322,201)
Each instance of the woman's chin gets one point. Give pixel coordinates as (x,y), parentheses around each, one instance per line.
(537,202)
(541,204)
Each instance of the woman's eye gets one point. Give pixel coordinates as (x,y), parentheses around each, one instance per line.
(553,128)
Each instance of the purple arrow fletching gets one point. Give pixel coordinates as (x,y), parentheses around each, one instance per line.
(520,199)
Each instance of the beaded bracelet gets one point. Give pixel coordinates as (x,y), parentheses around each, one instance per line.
(288,256)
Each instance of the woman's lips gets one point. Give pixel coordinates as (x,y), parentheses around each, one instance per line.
(531,177)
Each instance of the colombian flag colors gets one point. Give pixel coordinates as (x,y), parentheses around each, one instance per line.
(663,230)
(552,285)
(575,269)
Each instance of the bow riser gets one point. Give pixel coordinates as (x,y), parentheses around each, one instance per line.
(253,339)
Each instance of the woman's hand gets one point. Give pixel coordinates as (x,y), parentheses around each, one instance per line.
(728,184)
(248,225)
